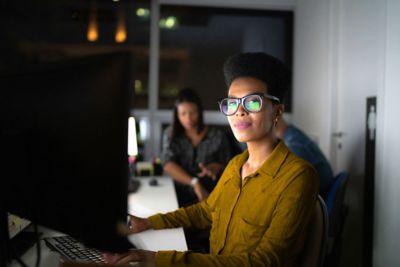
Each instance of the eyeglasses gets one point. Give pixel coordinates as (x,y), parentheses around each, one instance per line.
(251,103)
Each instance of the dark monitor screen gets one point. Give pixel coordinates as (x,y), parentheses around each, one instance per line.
(64,161)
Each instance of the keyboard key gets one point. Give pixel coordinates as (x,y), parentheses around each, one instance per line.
(71,249)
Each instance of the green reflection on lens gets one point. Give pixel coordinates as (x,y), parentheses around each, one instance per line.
(232,106)
(253,105)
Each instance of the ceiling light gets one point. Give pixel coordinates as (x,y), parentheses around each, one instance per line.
(143,12)
(92,31)
(170,22)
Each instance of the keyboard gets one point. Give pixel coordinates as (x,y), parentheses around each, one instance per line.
(72,250)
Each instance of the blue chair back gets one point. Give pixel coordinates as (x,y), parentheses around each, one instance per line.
(335,203)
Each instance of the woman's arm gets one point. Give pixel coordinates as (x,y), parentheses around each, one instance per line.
(137,225)
(177,173)
(181,176)
(220,158)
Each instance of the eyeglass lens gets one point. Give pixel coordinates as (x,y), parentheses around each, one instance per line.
(251,103)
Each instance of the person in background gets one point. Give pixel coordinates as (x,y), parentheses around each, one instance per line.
(301,145)
(259,212)
(193,154)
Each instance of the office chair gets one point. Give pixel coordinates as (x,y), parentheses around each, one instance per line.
(314,250)
(337,211)
(335,203)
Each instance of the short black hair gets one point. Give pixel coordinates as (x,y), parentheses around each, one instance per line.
(261,66)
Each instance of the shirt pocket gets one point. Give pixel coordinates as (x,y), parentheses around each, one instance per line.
(250,232)
(259,209)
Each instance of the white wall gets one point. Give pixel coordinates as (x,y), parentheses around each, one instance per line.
(387,219)
(338,64)
(360,74)
(311,69)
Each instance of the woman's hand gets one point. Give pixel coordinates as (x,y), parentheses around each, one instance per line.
(142,258)
(137,225)
(211,170)
(200,191)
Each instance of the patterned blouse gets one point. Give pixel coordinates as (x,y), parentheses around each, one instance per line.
(214,147)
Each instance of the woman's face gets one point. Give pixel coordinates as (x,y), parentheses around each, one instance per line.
(188,115)
(246,126)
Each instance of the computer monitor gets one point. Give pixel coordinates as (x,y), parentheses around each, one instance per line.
(64,161)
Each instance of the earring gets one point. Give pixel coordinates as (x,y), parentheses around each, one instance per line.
(276,121)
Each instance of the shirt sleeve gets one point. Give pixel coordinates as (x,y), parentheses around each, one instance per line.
(168,153)
(197,216)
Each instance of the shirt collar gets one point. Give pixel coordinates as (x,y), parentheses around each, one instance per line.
(270,167)
(274,162)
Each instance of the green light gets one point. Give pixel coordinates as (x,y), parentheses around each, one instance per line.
(171,22)
(162,23)
(143,12)
(138,87)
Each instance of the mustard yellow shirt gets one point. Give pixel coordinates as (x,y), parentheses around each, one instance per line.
(256,221)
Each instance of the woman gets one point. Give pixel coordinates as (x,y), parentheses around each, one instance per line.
(259,211)
(194,154)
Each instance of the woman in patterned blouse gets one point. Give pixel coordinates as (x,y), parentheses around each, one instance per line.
(194,154)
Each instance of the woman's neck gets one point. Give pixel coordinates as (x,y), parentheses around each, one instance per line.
(258,153)
(280,128)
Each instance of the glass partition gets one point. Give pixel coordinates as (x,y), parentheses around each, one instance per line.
(195,41)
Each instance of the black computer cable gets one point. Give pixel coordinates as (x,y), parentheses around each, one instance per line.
(38,247)
(17,256)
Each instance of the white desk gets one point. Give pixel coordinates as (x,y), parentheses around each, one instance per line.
(48,258)
(148,200)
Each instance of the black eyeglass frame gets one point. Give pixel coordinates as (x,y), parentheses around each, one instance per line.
(242,99)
